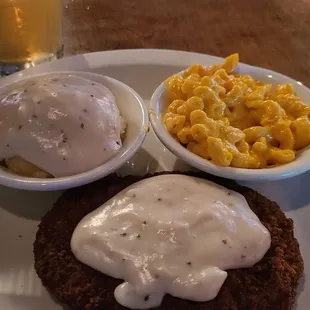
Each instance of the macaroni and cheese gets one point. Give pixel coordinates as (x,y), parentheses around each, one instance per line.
(234,120)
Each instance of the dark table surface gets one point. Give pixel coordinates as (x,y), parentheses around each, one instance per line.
(268,33)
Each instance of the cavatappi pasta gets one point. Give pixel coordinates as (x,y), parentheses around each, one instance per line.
(234,120)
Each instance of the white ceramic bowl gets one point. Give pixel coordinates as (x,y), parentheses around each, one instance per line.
(298,166)
(132,109)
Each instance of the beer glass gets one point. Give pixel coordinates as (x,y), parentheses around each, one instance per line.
(30,33)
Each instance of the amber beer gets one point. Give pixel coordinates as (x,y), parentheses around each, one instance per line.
(30,32)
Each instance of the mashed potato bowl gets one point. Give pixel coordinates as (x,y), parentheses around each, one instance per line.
(132,110)
(300,164)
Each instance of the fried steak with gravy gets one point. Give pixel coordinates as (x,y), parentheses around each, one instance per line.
(269,285)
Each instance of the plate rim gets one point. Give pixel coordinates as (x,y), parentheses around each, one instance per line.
(147,56)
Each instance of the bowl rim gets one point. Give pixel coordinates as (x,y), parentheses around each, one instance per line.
(44,184)
(300,165)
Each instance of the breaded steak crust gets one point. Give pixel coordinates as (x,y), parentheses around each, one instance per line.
(270,284)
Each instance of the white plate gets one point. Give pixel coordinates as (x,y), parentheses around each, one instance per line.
(20,211)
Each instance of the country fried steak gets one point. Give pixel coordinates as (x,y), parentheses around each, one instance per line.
(270,284)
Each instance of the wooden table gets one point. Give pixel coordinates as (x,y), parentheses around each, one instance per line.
(269,33)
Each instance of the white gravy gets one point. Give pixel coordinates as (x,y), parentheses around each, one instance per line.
(170,234)
(64,124)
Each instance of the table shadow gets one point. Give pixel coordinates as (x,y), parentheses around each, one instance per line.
(141,163)
(300,289)
(291,194)
(31,205)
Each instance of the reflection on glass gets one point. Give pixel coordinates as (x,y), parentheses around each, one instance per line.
(30,32)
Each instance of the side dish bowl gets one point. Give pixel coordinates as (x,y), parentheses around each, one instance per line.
(132,109)
(158,107)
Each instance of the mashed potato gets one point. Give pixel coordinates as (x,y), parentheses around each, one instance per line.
(58,123)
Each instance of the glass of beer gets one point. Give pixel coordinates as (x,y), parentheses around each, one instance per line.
(30,33)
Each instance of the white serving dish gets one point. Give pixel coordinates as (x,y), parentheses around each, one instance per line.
(132,109)
(299,165)
(21,211)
